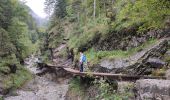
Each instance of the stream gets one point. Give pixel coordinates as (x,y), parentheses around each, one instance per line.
(41,88)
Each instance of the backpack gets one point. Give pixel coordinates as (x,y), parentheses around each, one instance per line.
(84,58)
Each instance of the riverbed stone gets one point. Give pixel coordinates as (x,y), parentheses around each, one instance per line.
(153,89)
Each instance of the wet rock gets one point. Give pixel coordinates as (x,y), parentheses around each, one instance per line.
(168,74)
(152,89)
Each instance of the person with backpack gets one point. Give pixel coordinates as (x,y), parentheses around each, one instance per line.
(82,61)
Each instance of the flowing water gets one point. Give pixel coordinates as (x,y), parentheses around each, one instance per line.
(41,88)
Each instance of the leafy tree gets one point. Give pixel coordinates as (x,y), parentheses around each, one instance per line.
(6,47)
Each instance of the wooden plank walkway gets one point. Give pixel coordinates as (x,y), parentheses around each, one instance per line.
(119,77)
(112,76)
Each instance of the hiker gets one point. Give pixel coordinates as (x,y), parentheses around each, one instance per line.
(82,61)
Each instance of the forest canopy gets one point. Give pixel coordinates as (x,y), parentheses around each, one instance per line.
(82,20)
(16,25)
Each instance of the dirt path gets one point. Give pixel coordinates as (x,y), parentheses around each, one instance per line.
(41,88)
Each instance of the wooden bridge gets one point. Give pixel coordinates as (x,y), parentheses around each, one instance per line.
(118,77)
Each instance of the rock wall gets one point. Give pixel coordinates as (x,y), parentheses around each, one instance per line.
(141,63)
(149,89)
(124,39)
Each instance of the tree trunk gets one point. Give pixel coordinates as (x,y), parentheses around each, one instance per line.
(94,12)
(78,17)
(51,53)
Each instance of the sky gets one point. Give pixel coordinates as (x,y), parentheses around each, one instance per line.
(37,6)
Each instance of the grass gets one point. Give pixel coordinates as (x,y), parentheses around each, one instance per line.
(95,57)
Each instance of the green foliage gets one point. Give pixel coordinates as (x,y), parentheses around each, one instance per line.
(13,80)
(18,39)
(56,35)
(46,56)
(117,15)
(6,47)
(5,61)
(76,87)
(1,98)
(107,92)
(33,36)
(167,58)
(18,79)
(111,16)
(88,33)
(6,12)
(145,14)
(18,32)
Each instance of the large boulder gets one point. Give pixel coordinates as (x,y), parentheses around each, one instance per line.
(114,63)
(140,63)
(152,89)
